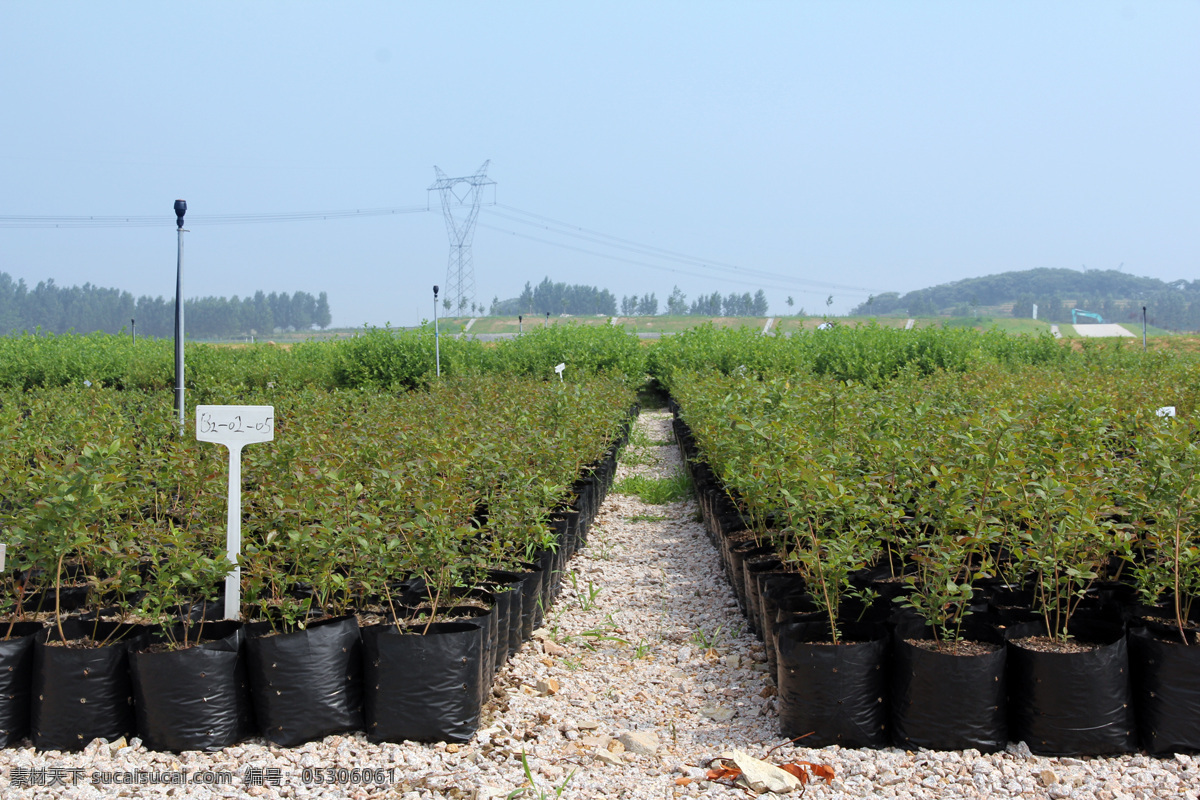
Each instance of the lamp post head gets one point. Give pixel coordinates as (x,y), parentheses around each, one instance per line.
(180,210)
(435,291)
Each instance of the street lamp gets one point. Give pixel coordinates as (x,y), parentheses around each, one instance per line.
(180,210)
(437,348)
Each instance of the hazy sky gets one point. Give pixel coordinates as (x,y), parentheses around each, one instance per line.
(868,146)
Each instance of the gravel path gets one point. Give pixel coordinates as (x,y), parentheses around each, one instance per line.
(645,650)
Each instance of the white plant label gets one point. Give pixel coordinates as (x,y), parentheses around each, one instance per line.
(235,427)
(1166,411)
(559,369)
(229,425)
(3,552)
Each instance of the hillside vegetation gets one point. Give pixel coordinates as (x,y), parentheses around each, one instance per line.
(1117,296)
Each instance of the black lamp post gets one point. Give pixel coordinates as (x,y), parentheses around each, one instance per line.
(180,210)
(437,345)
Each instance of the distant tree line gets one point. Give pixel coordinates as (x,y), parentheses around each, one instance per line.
(88,308)
(644,306)
(1117,296)
(557,298)
(714,305)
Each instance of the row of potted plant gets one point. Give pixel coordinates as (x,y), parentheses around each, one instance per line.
(368,508)
(950,497)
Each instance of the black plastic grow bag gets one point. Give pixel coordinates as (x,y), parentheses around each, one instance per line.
(485,618)
(533,600)
(503,613)
(780,595)
(942,701)
(516,611)
(422,683)
(16,680)
(196,698)
(836,692)
(80,694)
(1166,676)
(306,684)
(564,523)
(751,569)
(550,562)
(1071,704)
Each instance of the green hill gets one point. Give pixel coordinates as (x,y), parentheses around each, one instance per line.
(1117,296)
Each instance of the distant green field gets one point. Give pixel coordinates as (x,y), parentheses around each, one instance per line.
(676,324)
(669,324)
(531,321)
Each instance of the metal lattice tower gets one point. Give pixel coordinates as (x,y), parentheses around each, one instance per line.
(461,199)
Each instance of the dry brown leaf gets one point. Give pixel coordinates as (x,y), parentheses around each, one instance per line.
(802,770)
(796,770)
(823,771)
(724,773)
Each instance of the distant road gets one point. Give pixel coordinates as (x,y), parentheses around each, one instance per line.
(1102,329)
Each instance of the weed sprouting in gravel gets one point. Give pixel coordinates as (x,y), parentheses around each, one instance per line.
(656,491)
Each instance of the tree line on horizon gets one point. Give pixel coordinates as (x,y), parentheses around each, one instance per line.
(581,300)
(87,308)
(1116,296)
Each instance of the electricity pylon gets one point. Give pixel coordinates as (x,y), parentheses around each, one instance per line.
(461,199)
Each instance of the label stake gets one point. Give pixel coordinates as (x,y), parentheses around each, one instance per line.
(235,427)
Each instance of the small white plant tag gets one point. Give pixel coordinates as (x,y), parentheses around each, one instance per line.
(235,427)
(559,369)
(1166,411)
(3,552)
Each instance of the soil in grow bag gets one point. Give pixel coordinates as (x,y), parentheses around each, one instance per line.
(423,683)
(69,598)
(81,688)
(306,684)
(1065,703)
(195,697)
(949,696)
(836,692)
(16,679)
(1166,676)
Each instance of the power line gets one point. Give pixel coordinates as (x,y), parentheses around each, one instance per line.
(597,237)
(635,262)
(743,275)
(159,220)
